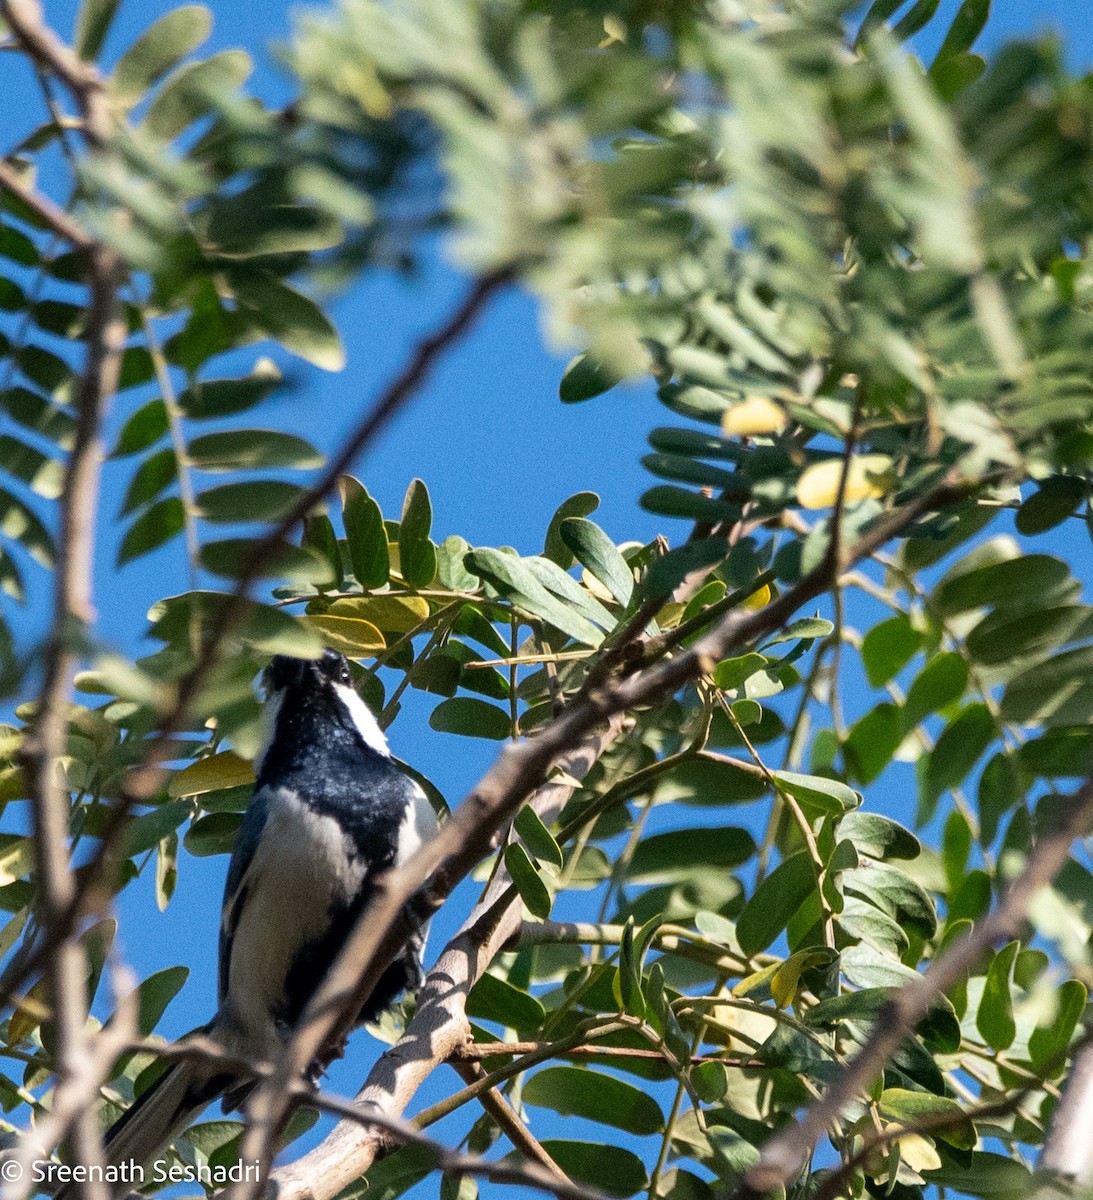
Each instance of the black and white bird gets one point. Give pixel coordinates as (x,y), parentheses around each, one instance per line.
(331,810)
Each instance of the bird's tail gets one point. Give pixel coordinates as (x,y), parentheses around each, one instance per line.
(180,1094)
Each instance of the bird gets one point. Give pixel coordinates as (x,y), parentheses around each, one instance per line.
(331,810)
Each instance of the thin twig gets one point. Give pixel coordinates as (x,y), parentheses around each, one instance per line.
(52,214)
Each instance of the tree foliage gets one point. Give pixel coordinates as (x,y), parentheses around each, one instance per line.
(859,283)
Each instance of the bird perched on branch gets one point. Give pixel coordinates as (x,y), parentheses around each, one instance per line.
(331,810)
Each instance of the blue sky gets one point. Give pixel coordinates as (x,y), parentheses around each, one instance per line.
(498,450)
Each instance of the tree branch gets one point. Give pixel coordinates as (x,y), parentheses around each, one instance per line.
(53,215)
(72,609)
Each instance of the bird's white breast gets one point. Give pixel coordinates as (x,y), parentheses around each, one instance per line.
(301,869)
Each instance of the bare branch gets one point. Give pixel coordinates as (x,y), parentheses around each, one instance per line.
(784,1155)
(72,610)
(1068,1149)
(54,216)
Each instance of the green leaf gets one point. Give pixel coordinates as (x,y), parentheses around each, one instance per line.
(269,630)
(286,562)
(319,537)
(155,993)
(1048,1044)
(1058,691)
(611,1169)
(569,591)
(579,505)
(732,673)
(159,48)
(887,648)
(595,1096)
(821,795)
(529,883)
(537,838)
(966,27)
(471,717)
(514,580)
(157,472)
(919,16)
(92,23)
(187,93)
(263,500)
(36,413)
(1059,753)
(18,522)
(994,1017)
(495,999)
(365,534)
(1032,579)
(349,635)
(19,248)
(155,526)
(146,831)
(1000,790)
(1056,499)
(991,1176)
(890,890)
(1004,636)
(913,1108)
(774,902)
(212,834)
(42,474)
(706,781)
(957,750)
(674,856)
(937,685)
(873,741)
(249,449)
(878,836)
(143,429)
(593,549)
(805,629)
(585,377)
(669,571)
(669,501)
(211,398)
(290,318)
(417,554)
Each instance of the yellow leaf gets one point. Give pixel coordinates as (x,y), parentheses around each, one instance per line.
(867,476)
(754,414)
(32,1011)
(596,588)
(391,613)
(16,860)
(350,635)
(918,1152)
(759,599)
(212,774)
(12,784)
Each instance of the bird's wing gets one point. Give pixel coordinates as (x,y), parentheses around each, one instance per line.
(235,888)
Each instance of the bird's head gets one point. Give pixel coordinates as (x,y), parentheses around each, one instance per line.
(306,674)
(301,691)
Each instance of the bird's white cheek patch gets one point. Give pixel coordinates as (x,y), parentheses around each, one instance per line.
(362,717)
